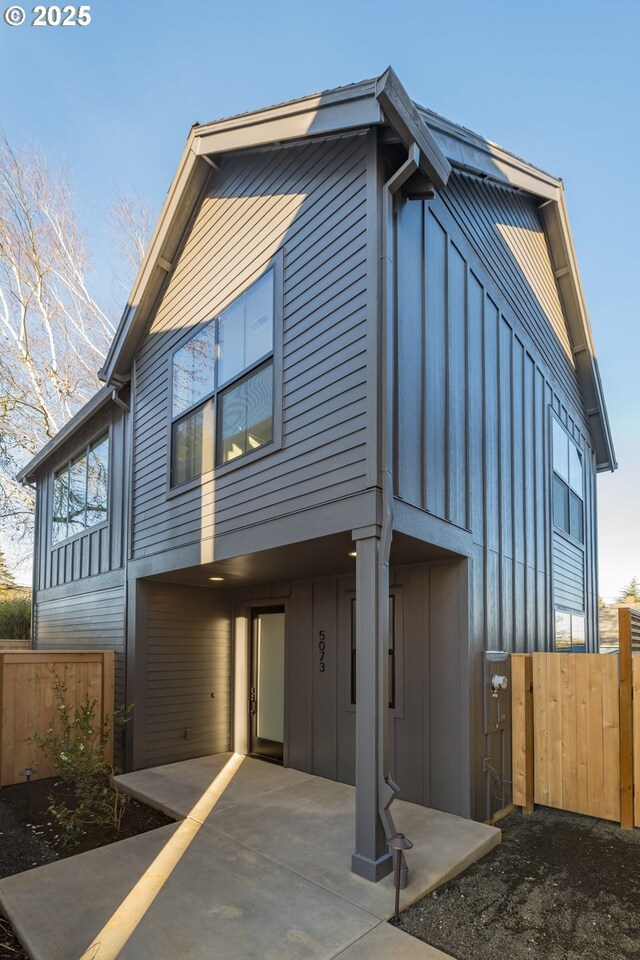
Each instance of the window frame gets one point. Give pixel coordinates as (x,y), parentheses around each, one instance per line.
(83,451)
(396,653)
(565,611)
(555,419)
(274,357)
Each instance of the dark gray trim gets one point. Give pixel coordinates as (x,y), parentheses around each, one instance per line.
(75,588)
(405,119)
(425,526)
(309,524)
(275,356)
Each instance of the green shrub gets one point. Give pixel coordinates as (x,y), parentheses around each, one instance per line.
(75,744)
(15,617)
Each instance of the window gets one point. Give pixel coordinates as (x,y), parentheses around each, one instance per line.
(80,491)
(392,652)
(570,632)
(224,374)
(568,508)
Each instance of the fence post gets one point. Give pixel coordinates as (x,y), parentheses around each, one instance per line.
(626,719)
(522,730)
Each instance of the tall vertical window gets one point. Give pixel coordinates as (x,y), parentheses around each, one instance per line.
(392,651)
(81,491)
(224,375)
(568,483)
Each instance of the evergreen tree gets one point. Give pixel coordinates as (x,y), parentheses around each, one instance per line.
(6,577)
(630,593)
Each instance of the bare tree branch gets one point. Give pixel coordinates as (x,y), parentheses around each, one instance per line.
(54,335)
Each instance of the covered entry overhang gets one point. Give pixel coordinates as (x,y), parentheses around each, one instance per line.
(281,579)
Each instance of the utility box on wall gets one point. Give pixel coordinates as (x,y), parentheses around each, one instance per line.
(496,694)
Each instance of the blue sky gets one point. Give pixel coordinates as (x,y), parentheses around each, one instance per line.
(555,82)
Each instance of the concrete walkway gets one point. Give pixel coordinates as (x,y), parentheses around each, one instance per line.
(258,868)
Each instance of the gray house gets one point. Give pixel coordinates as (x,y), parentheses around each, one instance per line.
(344,459)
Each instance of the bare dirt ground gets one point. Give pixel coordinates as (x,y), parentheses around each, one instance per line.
(560,887)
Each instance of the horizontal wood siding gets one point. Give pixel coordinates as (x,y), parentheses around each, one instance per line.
(187,673)
(85,621)
(82,622)
(99,550)
(568,573)
(310,203)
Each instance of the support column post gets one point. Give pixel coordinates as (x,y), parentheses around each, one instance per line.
(371,858)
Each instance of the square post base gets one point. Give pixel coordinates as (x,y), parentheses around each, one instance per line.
(373,870)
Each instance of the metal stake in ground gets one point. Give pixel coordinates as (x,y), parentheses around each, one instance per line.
(28,772)
(398,842)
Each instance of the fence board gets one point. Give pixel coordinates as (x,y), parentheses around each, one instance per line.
(29,706)
(625,637)
(636,737)
(569,713)
(522,730)
(576,710)
(595,763)
(582,752)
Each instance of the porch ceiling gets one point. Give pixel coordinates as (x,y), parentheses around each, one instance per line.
(324,556)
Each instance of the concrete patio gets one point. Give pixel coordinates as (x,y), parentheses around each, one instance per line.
(258,867)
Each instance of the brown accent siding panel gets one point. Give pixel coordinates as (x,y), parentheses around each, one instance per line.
(309,202)
(187,659)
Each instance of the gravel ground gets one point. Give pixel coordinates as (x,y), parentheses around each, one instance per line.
(560,887)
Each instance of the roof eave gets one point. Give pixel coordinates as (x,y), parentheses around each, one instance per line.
(556,222)
(96,403)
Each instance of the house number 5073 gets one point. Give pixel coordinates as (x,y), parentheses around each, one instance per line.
(322,646)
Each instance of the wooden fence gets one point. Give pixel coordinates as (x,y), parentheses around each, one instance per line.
(575,720)
(28,704)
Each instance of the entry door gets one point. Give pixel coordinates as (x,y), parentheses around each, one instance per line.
(266,695)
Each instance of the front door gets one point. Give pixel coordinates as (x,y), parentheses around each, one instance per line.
(266,695)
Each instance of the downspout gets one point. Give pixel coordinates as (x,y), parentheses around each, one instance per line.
(387,789)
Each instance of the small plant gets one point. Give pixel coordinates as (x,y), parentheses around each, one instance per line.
(75,744)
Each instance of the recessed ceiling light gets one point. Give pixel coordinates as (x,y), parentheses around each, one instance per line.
(216,579)
(352,553)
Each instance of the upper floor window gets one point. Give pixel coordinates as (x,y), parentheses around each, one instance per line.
(568,483)
(80,491)
(224,376)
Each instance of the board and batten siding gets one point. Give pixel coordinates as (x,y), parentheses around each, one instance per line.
(186,665)
(101,549)
(475,389)
(427,718)
(310,203)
